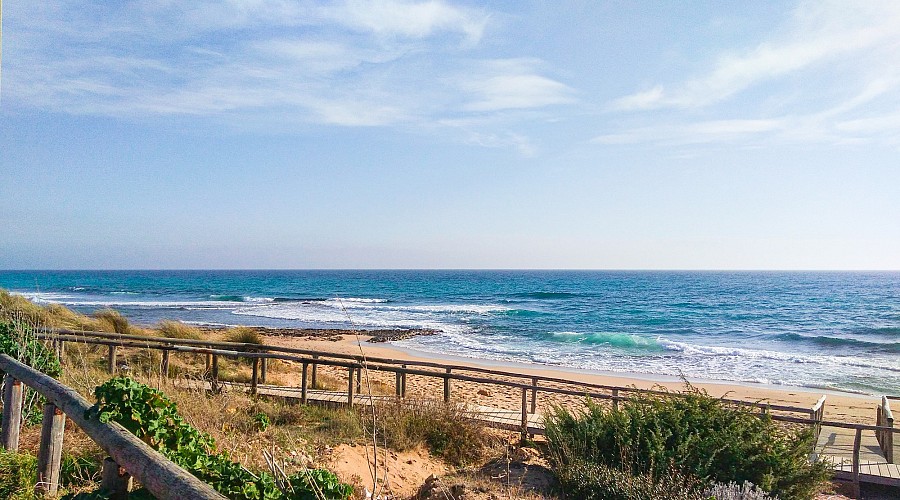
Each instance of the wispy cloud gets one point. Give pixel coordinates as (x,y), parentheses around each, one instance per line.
(819,32)
(411,19)
(351,63)
(828,75)
(512,84)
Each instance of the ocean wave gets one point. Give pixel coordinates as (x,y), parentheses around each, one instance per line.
(621,340)
(827,341)
(360,318)
(546,295)
(762,354)
(430,308)
(884,331)
(524,313)
(239,298)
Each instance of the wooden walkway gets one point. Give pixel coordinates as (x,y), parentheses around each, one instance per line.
(835,445)
(496,418)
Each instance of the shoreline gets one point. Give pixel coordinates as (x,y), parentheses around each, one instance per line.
(840,406)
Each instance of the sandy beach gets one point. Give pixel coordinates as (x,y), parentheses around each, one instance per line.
(845,407)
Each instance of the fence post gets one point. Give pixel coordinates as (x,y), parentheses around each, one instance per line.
(350,386)
(215,368)
(254,379)
(165,364)
(403,382)
(856,444)
(115,480)
(12,413)
(50,453)
(447,387)
(534,384)
(615,399)
(524,413)
(314,365)
(359,381)
(397,383)
(111,362)
(263,369)
(303,384)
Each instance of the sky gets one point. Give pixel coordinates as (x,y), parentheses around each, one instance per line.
(439,134)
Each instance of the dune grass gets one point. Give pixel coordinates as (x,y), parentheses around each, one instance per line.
(243,335)
(178,330)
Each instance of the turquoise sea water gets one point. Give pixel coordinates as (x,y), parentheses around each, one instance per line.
(829,330)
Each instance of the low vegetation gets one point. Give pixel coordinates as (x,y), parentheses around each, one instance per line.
(178,330)
(17,472)
(441,428)
(243,335)
(691,438)
(155,419)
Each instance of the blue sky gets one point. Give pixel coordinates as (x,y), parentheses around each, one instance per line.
(438,134)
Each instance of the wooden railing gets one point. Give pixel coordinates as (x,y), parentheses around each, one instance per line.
(528,385)
(129,456)
(885,418)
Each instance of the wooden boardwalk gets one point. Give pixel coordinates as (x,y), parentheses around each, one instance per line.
(496,418)
(835,446)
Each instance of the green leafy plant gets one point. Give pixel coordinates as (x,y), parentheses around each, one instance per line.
(693,433)
(18,341)
(261,420)
(152,417)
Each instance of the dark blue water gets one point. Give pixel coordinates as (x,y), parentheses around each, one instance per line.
(834,330)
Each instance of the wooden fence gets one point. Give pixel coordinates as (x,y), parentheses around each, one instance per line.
(529,385)
(129,456)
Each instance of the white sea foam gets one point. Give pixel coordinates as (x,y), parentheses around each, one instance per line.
(319,312)
(430,308)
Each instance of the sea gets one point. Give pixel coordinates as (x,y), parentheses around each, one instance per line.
(823,330)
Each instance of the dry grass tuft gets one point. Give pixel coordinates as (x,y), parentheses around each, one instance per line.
(110,320)
(243,335)
(178,330)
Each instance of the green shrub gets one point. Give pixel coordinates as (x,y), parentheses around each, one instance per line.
(696,434)
(152,417)
(592,481)
(18,473)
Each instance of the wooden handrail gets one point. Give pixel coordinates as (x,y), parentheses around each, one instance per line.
(259,350)
(162,477)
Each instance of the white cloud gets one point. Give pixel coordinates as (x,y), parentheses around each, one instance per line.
(410,19)
(351,63)
(512,84)
(819,32)
(711,131)
(829,75)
